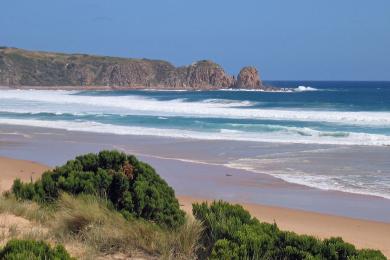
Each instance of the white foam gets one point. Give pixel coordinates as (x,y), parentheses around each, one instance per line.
(25,101)
(289,135)
(230,103)
(244,89)
(349,184)
(229,131)
(325,182)
(304,88)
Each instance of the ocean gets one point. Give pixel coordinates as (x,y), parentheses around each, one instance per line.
(310,112)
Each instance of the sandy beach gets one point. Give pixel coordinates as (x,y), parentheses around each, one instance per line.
(201,169)
(362,233)
(11,169)
(197,171)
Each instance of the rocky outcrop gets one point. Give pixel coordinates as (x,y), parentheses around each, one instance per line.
(27,68)
(248,78)
(201,75)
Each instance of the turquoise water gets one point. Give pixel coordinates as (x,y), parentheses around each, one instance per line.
(354,117)
(350,113)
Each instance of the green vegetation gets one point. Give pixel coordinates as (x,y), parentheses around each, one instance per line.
(111,203)
(93,227)
(91,221)
(132,186)
(231,233)
(30,249)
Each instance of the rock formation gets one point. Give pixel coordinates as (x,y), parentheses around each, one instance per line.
(248,78)
(29,68)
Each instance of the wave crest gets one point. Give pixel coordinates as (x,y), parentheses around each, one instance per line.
(67,102)
(285,135)
(304,89)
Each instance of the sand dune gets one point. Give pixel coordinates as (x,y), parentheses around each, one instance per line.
(362,233)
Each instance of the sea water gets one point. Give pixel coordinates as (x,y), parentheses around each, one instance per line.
(329,113)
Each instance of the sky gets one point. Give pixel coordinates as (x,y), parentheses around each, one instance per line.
(284,39)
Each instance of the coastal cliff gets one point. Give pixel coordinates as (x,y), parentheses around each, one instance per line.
(31,68)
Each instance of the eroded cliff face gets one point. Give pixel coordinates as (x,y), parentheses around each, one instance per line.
(26,68)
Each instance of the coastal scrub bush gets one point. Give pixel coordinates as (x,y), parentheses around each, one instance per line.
(133,187)
(31,249)
(231,233)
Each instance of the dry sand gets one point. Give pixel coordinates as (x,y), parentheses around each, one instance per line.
(11,169)
(362,233)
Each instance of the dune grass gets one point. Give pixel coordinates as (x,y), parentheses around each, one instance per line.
(26,209)
(89,227)
(94,222)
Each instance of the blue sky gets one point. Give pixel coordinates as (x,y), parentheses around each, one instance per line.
(284,39)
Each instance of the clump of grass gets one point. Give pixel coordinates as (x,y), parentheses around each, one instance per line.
(33,214)
(35,234)
(93,222)
(92,226)
(184,243)
(26,209)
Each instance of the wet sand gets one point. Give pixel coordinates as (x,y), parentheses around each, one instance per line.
(362,233)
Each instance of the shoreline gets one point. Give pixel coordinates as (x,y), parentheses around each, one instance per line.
(197,168)
(361,233)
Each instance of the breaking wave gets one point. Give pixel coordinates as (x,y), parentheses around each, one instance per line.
(284,135)
(358,183)
(304,88)
(67,102)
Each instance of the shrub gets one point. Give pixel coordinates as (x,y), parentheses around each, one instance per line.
(31,249)
(231,233)
(365,254)
(221,219)
(225,250)
(132,186)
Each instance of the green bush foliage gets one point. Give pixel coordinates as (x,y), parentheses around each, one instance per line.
(231,233)
(32,250)
(132,186)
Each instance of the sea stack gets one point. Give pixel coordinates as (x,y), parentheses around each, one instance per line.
(248,78)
